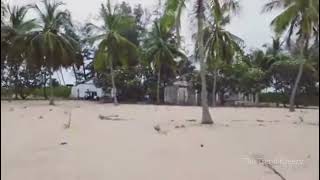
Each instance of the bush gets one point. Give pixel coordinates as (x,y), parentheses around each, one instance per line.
(303,99)
(60,91)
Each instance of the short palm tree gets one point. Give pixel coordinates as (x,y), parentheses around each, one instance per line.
(50,46)
(299,18)
(162,51)
(113,48)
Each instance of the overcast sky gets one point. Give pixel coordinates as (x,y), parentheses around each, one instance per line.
(250,25)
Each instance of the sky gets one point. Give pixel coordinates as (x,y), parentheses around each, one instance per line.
(250,24)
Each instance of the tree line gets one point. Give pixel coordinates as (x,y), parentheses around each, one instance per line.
(132,51)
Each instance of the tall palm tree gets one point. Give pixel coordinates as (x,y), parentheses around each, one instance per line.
(16,29)
(200,9)
(49,46)
(172,16)
(113,48)
(13,34)
(3,12)
(220,45)
(300,18)
(161,51)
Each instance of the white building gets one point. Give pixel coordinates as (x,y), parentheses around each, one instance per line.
(80,90)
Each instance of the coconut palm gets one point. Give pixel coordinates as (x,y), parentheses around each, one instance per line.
(13,33)
(3,12)
(172,16)
(50,46)
(161,52)
(200,8)
(16,29)
(299,18)
(113,48)
(220,45)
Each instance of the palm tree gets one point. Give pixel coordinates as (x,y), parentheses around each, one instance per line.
(13,33)
(200,8)
(16,29)
(300,17)
(113,48)
(172,16)
(50,46)
(161,51)
(221,45)
(3,12)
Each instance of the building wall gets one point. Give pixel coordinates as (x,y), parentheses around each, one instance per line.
(80,90)
(179,95)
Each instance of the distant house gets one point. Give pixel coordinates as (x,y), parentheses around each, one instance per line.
(180,93)
(81,91)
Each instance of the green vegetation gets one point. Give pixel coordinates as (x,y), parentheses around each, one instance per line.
(132,52)
(38,93)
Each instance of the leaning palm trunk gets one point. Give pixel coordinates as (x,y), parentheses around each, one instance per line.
(51,101)
(295,87)
(158,87)
(214,88)
(178,34)
(44,86)
(206,118)
(75,74)
(62,78)
(114,89)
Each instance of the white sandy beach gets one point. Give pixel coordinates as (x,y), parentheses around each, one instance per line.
(127,147)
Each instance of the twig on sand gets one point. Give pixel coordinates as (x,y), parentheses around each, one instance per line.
(68,125)
(158,129)
(270,167)
(111,117)
(181,126)
(301,119)
(191,120)
(63,143)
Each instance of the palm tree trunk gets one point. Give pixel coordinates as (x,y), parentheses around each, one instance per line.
(214,88)
(158,86)
(114,89)
(75,74)
(84,72)
(64,82)
(178,34)
(206,117)
(51,101)
(295,88)
(45,92)
(256,98)
(44,86)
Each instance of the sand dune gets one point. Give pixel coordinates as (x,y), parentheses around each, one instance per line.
(106,142)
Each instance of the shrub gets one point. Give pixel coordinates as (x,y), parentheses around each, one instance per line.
(60,91)
(302,99)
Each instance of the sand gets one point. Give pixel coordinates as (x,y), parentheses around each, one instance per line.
(125,145)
